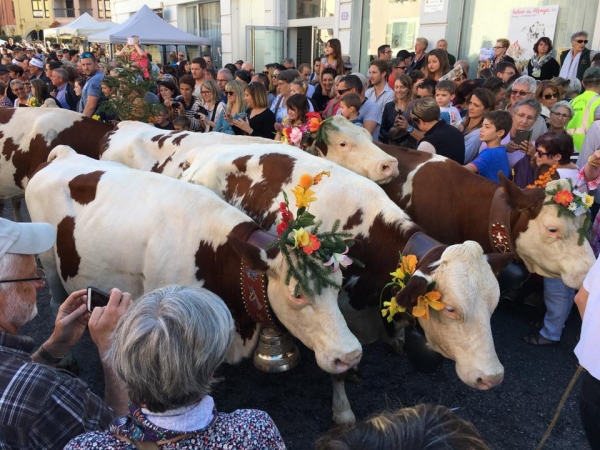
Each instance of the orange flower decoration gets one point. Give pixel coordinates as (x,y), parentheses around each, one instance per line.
(313,124)
(563,197)
(430,299)
(306,181)
(313,245)
(319,177)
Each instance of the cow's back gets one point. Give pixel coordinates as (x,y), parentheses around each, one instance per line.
(127,228)
(145,147)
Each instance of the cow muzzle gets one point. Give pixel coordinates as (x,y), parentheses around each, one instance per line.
(387,170)
(341,363)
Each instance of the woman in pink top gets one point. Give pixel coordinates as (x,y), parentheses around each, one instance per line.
(138,56)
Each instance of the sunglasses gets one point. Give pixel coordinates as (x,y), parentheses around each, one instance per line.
(399,67)
(266,73)
(343,91)
(229,92)
(41,275)
(519,93)
(86,55)
(549,96)
(540,153)
(582,41)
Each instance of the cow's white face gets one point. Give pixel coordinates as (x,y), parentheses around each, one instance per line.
(549,247)
(352,147)
(462,330)
(317,321)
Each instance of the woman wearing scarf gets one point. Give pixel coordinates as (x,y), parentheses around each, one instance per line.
(542,66)
(574,62)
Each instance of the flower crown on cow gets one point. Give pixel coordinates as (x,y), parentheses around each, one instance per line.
(313,131)
(318,254)
(400,277)
(570,202)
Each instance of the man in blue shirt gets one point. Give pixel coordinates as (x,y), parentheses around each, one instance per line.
(92,90)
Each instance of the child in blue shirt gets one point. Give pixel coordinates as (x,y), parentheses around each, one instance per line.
(493,159)
(349,106)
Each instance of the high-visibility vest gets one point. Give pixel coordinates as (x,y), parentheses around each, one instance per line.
(584,106)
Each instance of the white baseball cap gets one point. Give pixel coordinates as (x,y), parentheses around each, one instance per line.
(25,238)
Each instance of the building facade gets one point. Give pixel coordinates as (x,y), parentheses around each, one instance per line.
(268,30)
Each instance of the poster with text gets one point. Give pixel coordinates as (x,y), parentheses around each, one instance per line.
(527,25)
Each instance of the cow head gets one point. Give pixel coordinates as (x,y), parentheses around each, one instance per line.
(549,243)
(352,147)
(316,321)
(461,331)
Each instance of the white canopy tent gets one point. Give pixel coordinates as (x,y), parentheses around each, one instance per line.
(151,29)
(81,27)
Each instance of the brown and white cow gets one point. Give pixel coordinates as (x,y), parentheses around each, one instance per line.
(253,179)
(27,135)
(145,147)
(140,231)
(453,205)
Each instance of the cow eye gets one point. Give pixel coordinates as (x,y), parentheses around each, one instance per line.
(342,144)
(552,230)
(449,309)
(450,312)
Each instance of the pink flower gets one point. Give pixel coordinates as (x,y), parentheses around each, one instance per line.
(338,259)
(296,136)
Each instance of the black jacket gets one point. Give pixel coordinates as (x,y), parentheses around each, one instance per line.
(584,62)
(447,140)
(548,71)
(71,97)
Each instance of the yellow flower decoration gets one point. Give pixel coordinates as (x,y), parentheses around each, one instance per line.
(304,197)
(391,308)
(588,200)
(407,266)
(430,299)
(96,117)
(301,237)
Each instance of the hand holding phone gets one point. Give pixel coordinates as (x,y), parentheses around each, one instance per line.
(522,135)
(131,41)
(95,298)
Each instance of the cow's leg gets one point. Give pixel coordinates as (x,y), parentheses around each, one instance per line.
(57,290)
(342,411)
(16,206)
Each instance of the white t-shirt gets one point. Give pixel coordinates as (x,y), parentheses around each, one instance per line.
(587,348)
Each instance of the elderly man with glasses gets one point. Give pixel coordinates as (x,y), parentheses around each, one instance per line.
(43,407)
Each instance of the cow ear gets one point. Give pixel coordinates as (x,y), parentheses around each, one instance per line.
(407,297)
(322,147)
(254,257)
(521,199)
(499,260)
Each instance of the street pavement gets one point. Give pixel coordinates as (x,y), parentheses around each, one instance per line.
(514,415)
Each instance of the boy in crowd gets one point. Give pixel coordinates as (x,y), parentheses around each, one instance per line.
(181,123)
(496,125)
(161,119)
(349,106)
(444,95)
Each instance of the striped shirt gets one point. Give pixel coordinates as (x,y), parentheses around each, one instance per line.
(42,407)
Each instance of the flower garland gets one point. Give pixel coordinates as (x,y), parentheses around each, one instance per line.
(317,255)
(33,102)
(400,277)
(570,202)
(304,135)
(544,178)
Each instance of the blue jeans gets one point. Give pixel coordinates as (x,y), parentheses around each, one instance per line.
(559,299)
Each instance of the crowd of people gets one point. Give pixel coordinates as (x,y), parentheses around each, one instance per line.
(508,119)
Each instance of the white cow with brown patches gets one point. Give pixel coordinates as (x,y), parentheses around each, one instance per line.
(253,179)
(140,231)
(145,147)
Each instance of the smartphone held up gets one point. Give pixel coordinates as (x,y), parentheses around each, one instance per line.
(96,298)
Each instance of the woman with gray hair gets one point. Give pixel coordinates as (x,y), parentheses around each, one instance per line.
(440,137)
(165,350)
(574,62)
(560,115)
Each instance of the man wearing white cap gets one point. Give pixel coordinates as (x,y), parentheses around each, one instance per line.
(43,407)
(36,70)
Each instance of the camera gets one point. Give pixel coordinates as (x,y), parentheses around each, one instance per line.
(201,110)
(175,105)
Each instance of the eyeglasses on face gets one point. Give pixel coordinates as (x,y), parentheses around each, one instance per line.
(266,72)
(549,96)
(229,92)
(205,92)
(41,275)
(525,116)
(399,67)
(540,153)
(343,91)
(582,41)
(519,93)
(496,48)
(561,115)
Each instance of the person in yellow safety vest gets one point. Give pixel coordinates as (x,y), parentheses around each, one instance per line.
(584,106)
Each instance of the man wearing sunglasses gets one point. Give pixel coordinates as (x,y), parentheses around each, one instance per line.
(93,89)
(43,407)
(574,62)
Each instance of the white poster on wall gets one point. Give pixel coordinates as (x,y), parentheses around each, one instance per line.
(527,25)
(432,6)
